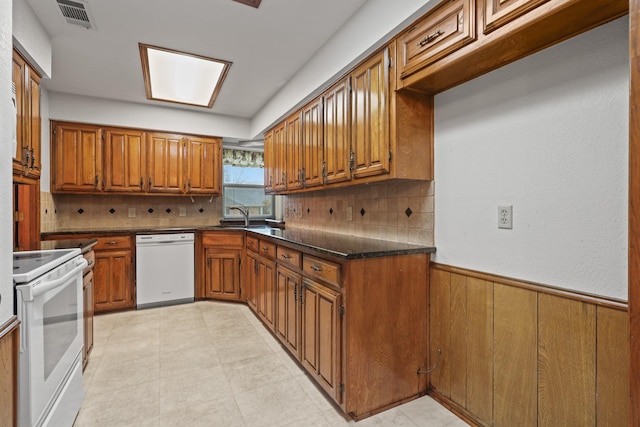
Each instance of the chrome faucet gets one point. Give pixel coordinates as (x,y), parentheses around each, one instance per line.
(245,213)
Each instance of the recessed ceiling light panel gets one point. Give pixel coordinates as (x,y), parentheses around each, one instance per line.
(180,77)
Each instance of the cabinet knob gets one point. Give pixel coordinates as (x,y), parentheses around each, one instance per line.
(113,242)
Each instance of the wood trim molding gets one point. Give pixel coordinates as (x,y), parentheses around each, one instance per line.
(545,289)
(634,213)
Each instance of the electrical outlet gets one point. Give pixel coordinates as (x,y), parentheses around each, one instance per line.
(132,212)
(505,217)
(182,211)
(350,213)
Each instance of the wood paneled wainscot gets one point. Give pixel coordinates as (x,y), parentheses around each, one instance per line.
(514,353)
(358,326)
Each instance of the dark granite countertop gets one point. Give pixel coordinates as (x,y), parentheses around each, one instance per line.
(85,245)
(333,244)
(342,245)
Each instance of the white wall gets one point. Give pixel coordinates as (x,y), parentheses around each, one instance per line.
(549,135)
(6,154)
(30,37)
(369,28)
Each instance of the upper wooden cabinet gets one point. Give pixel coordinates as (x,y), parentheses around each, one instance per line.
(370,150)
(499,12)
(124,155)
(268,162)
(26,160)
(445,29)
(203,165)
(368,132)
(92,159)
(76,158)
(279,158)
(337,132)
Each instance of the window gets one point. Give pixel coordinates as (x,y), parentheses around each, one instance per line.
(243,177)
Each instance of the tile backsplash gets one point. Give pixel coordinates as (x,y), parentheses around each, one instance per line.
(390,211)
(77,212)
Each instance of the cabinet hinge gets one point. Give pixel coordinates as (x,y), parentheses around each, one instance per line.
(341,311)
(55,131)
(390,155)
(390,62)
(341,388)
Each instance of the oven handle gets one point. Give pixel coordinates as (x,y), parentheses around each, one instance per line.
(81,263)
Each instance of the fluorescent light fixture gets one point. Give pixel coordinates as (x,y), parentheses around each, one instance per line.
(180,77)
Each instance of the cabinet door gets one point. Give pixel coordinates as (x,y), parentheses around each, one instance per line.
(164,163)
(222,274)
(34,124)
(204,166)
(280,157)
(500,12)
(337,133)
(312,141)
(18,78)
(294,152)
(265,290)
(124,163)
(269,167)
(288,323)
(87,293)
(370,117)
(113,285)
(251,278)
(321,332)
(76,158)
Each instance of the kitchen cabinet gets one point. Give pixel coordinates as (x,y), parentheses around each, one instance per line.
(445,29)
(279,158)
(337,133)
(220,255)
(499,13)
(203,165)
(87,324)
(312,143)
(27,158)
(288,324)
(113,274)
(9,356)
(107,160)
(165,163)
(76,158)
(294,152)
(260,256)
(268,162)
(321,340)
(370,150)
(124,165)
(358,326)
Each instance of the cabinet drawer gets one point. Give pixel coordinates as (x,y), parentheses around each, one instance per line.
(498,13)
(446,29)
(252,244)
(321,269)
(267,250)
(220,238)
(289,257)
(113,242)
(91,260)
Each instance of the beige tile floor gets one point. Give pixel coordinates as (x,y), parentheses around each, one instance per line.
(211,364)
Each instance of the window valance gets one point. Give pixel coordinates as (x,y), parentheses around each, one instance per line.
(242,158)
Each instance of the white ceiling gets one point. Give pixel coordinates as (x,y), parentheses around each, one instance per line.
(266,45)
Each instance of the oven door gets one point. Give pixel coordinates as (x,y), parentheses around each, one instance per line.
(51,313)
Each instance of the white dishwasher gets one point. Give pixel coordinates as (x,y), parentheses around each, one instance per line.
(164,269)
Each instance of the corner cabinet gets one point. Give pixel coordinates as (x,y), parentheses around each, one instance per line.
(106,160)
(357,326)
(27,158)
(220,268)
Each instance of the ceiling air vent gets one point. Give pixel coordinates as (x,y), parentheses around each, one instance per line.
(76,12)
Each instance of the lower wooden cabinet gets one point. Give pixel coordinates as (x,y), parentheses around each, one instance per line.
(87,298)
(262,276)
(321,335)
(220,265)
(113,274)
(288,324)
(9,355)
